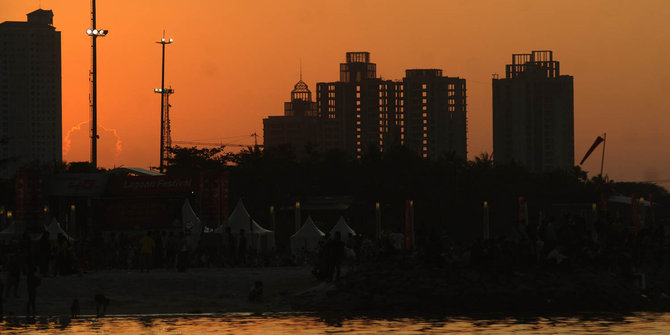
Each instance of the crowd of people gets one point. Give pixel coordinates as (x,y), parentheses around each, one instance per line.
(605,242)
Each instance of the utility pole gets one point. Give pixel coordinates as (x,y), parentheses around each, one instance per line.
(93,77)
(166,140)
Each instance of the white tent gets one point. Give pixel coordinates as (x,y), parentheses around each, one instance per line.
(11,231)
(257,236)
(307,237)
(54,228)
(191,224)
(343,228)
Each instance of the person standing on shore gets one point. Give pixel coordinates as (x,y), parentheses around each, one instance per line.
(242,249)
(171,247)
(160,249)
(13,275)
(230,246)
(147,246)
(32,281)
(336,253)
(183,256)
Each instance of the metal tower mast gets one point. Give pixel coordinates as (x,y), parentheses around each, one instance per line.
(93,78)
(166,140)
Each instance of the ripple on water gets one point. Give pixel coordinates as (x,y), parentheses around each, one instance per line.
(294,324)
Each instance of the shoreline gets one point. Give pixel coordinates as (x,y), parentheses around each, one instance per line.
(196,291)
(413,292)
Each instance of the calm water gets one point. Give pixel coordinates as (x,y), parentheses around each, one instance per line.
(291,324)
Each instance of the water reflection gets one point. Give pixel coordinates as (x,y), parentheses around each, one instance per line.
(293,324)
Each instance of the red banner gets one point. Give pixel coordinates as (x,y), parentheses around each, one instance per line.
(29,197)
(213,197)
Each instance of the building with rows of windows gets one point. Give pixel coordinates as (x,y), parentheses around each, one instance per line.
(30,93)
(533,114)
(425,112)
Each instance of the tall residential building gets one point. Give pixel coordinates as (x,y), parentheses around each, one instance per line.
(533,114)
(30,93)
(364,105)
(434,116)
(425,112)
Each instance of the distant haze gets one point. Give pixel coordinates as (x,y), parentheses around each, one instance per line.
(234,62)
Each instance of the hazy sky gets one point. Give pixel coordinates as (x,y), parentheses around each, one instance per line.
(234,62)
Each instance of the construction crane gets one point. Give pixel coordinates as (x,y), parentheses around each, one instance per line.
(218,144)
(212,144)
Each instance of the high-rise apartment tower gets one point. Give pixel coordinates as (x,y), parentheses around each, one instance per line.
(30,93)
(533,114)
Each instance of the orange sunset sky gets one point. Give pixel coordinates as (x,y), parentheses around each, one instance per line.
(234,62)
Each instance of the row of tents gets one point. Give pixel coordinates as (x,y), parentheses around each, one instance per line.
(13,230)
(307,237)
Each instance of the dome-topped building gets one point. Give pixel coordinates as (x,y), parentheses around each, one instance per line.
(300,125)
(301,92)
(301,103)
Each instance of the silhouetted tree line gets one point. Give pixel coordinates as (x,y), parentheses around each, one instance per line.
(448,192)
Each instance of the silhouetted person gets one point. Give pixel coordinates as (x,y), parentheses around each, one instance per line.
(230,245)
(45,254)
(171,247)
(242,248)
(2,299)
(256,292)
(160,249)
(101,303)
(13,275)
(147,246)
(183,256)
(32,281)
(336,254)
(322,264)
(63,259)
(75,309)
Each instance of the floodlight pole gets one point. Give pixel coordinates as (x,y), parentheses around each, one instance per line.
(93,77)
(165,107)
(93,122)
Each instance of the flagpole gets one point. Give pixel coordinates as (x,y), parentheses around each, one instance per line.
(602,162)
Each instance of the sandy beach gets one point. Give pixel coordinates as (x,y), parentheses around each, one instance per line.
(159,291)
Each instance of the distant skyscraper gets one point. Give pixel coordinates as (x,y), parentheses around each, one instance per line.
(30,93)
(425,112)
(533,114)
